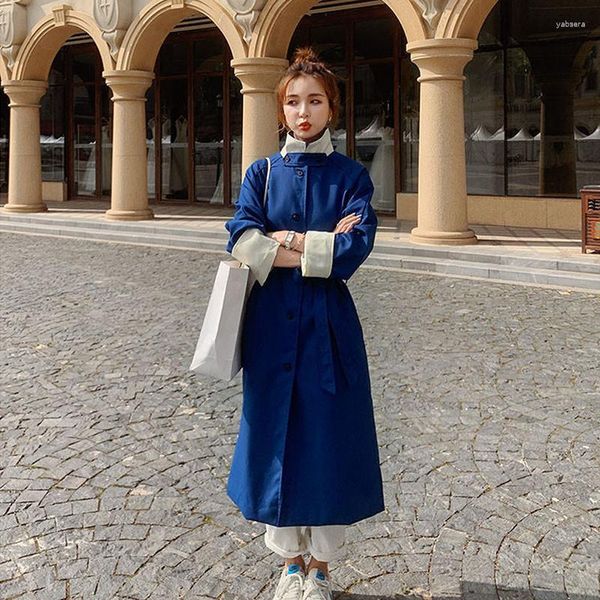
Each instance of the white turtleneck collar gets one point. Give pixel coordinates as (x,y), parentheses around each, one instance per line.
(322,145)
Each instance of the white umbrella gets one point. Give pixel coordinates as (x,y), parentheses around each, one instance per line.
(499,135)
(481,134)
(521,136)
(595,135)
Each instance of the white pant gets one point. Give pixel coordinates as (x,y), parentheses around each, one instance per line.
(324,542)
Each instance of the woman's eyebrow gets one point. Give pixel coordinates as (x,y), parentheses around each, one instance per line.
(297,96)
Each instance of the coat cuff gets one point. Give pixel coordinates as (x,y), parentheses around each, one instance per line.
(317,258)
(257,251)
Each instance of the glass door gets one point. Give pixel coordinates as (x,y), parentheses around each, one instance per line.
(4,114)
(374,129)
(52,123)
(363,48)
(374,107)
(235,114)
(174,138)
(89,124)
(193,118)
(85,154)
(210,173)
(211,155)
(106,140)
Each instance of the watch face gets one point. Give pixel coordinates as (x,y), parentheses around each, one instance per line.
(288,239)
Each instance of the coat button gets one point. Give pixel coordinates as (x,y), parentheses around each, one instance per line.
(290,315)
(295,217)
(287,366)
(300,172)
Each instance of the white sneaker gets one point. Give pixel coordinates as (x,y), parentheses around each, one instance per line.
(290,583)
(317,586)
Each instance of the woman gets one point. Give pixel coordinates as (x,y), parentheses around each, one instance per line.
(306,461)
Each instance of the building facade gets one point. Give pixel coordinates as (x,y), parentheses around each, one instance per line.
(464,111)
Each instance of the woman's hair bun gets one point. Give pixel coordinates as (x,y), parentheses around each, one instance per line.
(305,55)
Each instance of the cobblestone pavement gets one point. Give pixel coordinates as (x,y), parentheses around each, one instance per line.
(114,458)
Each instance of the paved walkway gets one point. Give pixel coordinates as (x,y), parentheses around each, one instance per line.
(114,458)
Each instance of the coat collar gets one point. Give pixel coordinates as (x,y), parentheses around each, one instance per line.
(321,146)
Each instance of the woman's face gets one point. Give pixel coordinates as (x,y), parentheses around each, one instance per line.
(306,108)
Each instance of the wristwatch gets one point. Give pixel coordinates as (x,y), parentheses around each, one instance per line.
(289,238)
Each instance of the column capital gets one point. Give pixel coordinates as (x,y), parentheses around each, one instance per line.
(25,92)
(441,58)
(260,74)
(128,85)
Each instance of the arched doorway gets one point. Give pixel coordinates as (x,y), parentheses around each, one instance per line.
(168,145)
(29,83)
(76,125)
(365,47)
(194,120)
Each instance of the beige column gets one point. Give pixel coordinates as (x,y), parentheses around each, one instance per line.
(259,77)
(442,209)
(24,154)
(129,197)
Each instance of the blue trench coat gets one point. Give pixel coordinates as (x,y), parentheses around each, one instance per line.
(307,450)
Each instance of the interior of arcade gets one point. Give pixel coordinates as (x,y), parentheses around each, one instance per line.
(530,130)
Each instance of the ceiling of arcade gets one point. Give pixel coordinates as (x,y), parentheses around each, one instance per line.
(129,33)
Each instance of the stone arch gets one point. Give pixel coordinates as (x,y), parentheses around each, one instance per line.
(148,31)
(4,75)
(464,18)
(279,18)
(49,34)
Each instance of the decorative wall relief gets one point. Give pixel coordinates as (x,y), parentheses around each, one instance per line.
(246,14)
(432,11)
(113,17)
(13,28)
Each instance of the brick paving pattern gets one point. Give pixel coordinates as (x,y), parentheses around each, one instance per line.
(114,458)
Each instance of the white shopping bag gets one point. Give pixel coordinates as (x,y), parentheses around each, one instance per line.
(218,351)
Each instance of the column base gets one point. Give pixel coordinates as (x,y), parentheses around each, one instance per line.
(144,214)
(443,238)
(24,208)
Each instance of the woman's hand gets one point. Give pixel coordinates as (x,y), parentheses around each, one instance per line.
(278,236)
(297,244)
(347,223)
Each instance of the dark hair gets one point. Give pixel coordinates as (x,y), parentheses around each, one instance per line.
(306,62)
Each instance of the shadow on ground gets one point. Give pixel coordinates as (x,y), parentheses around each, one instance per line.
(476,591)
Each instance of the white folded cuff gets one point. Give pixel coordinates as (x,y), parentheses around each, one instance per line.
(257,251)
(317,258)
